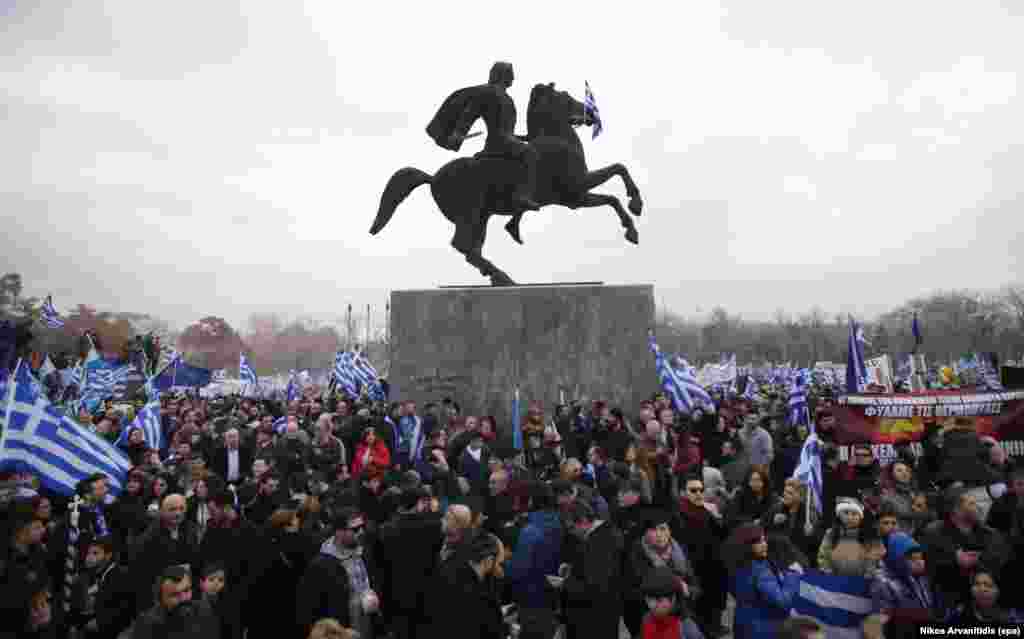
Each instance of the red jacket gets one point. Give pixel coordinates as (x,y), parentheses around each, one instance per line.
(380,456)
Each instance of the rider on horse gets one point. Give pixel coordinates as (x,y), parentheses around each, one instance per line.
(490,101)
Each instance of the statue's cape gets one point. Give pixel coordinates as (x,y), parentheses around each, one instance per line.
(457,115)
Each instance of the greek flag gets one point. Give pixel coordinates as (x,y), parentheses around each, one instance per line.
(856,371)
(49,315)
(293,387)
(344,375)
(590,108)
(808,471)
(670,381)
(367,376)
(988,376)
(839,603)
(40,439)
(148,420)
(688,376)
(246,374)
(798,411)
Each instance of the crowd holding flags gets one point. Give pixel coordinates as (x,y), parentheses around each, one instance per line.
(40,439)
(353,373)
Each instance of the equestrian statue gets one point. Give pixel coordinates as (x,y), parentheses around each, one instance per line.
(513,174)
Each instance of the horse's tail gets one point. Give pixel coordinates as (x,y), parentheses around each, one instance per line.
(399,187)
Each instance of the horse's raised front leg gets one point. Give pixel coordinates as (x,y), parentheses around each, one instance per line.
(596,178)
(590,200)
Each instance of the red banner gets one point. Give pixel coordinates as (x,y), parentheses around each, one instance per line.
(893,419)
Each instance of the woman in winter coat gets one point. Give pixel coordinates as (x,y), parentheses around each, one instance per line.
(372,451)
(842,551)
(897,490)
(789,519)
(128,516)
(657,549)
(764,592)
(754,499)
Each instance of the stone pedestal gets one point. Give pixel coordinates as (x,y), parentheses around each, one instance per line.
(475,344)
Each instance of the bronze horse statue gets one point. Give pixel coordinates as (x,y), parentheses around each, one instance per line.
(469,190)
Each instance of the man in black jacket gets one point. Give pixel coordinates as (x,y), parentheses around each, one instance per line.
(233,461)
(171,541)
(468,604)
(340,582)
(593,588)
(408,545)
(175,613)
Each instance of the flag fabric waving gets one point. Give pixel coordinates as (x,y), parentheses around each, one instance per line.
(839,603)
(247,374)
(670,381)
(590,108)
(292,392)
(916,329)
(39,438)
(856,370)
(344,375)
(148,420)
(49,315)
(517,432)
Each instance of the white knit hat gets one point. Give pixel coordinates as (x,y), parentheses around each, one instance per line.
(847,504)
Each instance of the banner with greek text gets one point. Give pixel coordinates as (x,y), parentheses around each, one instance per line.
(895,419)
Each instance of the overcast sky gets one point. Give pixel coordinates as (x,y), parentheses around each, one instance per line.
(194,158)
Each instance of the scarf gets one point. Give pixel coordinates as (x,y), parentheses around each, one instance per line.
(672,557)
(100,528)
(667,627)
(697,516)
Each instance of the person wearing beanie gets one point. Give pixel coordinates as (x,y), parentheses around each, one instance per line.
(656,550)
(664,618)
(842,551)
(903,585)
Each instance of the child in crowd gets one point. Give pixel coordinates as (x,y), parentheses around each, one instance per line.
(665,620)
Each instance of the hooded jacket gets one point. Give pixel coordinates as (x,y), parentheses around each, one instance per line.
(895,588)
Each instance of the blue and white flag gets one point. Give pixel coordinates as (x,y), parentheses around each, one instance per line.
(40,439)
(517,432)
(281,425)
(366,375)
(808,472)
(841,604)
(669,380)
(247,375)
(856,370)
(988,376)
(148,420)
(344,374)
(798,410)
(590,109)
(293,387)
(49,315)
(688,376)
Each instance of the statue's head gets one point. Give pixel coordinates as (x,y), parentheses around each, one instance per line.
(501,73)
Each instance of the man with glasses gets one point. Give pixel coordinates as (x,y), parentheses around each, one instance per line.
(175,613)
(339,583)
(702,532)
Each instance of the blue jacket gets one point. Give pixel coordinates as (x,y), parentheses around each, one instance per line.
(895,587)
(537,555)
(764,598)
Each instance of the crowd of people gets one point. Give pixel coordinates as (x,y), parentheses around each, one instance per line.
(351,518)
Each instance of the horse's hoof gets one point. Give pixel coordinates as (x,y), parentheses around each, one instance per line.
(501,279)
(633,236)
(636,205)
